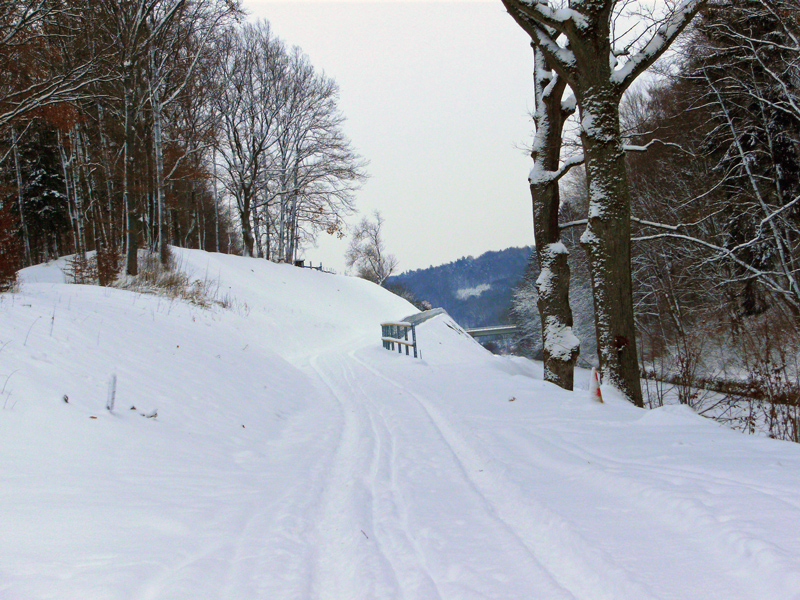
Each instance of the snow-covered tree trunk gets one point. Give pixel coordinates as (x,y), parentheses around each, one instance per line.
(561,347)
(607,241)
(579,42)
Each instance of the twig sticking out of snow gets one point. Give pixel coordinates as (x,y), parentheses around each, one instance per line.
(112,392)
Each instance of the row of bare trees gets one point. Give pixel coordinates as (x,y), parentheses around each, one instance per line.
(286,161)
(131,123)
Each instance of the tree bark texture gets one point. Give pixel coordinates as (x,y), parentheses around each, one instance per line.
(607,239)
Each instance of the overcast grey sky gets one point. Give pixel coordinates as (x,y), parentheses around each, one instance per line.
(437,97)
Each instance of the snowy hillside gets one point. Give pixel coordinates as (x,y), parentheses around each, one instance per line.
(292,457)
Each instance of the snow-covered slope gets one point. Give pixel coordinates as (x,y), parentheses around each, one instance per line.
(293,457)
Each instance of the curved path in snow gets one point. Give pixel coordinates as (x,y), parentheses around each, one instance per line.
(421,501)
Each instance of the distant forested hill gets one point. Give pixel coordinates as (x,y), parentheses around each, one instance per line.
(475,291)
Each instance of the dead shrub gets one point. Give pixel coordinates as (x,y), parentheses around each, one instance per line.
(172,282)
(81,269)
(108,264)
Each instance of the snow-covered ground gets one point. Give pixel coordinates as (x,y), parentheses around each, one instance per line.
(293,457)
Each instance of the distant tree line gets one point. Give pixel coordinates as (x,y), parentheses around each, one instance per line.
(475,291)
(128,124)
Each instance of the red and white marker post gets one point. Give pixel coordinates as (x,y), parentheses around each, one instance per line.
(594,387)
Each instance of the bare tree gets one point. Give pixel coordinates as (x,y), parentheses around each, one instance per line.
(580,44)
(134,26)
(367,251)
(248,104)
(317,169)
(285,159)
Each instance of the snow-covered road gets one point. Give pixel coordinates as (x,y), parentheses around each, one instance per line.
(294,458)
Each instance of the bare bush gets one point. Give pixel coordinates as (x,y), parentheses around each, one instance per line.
(109,261)
(82,269)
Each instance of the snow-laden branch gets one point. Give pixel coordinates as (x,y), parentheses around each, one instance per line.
(556,18)
(541,176)
(777,212)
(570,224)
(646,147)
(780,242)
(766,277)
(672,26)
(658,225)
(543,31)
(558,55)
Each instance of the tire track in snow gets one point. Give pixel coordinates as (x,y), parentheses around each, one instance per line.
(563,554)
(426,543)
(400,549)
(347,563)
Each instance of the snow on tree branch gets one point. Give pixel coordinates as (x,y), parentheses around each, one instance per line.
(538,175)
(671,27)
(559,19)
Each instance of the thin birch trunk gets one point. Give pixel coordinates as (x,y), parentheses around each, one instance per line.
(158,147)
(132,219)
(216,200)
(18,170)
(77,188)
(66,165)
(107,170)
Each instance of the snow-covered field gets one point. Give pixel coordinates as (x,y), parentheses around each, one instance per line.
(292,457)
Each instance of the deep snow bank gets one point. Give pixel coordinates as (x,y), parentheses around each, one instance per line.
(292,457)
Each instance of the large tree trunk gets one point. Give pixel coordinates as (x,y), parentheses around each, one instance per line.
(598,76)
(561,347)
(607,239)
